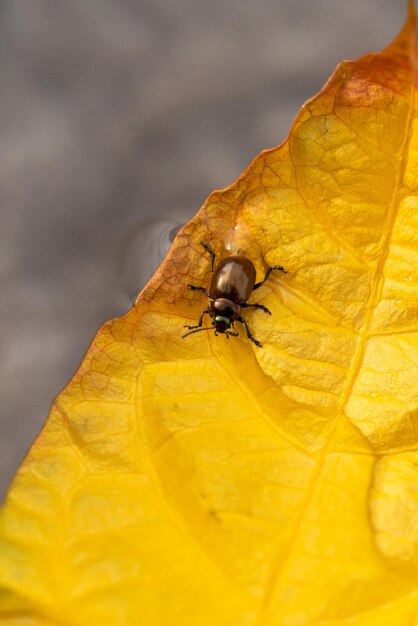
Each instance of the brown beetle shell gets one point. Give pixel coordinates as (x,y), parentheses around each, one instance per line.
(234,279)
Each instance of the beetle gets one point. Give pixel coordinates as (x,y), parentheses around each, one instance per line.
(233,281)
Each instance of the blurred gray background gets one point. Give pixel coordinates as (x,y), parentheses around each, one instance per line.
(118,117)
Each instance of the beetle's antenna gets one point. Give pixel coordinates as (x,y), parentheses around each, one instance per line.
(198,330)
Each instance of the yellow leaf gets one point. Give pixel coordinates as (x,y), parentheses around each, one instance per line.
(208,482)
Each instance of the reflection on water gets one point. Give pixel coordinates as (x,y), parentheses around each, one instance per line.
(146,246)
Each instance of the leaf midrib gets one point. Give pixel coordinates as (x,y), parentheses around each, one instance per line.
(375,292)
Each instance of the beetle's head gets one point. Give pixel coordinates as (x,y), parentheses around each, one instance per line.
(223,312)
(221,323)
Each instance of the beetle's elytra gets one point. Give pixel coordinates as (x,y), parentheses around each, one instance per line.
(233,281)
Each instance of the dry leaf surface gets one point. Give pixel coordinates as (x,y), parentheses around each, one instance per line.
(208,482)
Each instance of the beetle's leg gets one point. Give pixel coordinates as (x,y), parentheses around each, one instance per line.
(195,288)
(211,252)
(233,334)
(256,306)
(249,335)
(200,322)
(269,269)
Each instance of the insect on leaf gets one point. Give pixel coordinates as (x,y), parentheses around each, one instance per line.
(206,481)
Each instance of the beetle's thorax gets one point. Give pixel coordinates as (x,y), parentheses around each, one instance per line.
(224,312)
(225,308)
